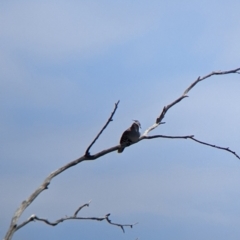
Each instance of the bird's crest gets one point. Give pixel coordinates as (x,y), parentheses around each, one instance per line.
(138,123)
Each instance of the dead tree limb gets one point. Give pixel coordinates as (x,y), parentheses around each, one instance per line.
(86,157)
(215,146)
(194,139)
(199,79)
(13,225)
(33,217)
(184,95)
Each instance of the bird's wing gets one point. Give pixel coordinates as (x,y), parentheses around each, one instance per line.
(124,139)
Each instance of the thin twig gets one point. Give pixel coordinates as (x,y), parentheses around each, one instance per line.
(74,217)
(81,207)
(119,225)
(215,146)
(192,138)
(87,153)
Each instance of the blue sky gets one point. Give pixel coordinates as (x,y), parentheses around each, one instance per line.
(63,66)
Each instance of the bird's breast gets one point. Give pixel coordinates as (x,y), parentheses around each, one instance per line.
(134,137)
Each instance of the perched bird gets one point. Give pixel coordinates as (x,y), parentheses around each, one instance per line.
(130,136)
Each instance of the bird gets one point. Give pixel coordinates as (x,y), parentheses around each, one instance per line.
(130,136)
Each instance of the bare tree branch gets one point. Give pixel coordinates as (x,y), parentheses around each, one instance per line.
(14,227)
(47,181)
(86,157)
(215,146)
(192,138)
(45,185)
(87,153)
(165,136)
(74,217)
(209,75)
(166,108)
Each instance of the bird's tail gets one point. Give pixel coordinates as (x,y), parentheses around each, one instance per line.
(120,150)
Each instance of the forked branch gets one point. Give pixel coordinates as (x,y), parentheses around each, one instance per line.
(44,186)
(194,139)
(73,217)
(87,156)
(184,95)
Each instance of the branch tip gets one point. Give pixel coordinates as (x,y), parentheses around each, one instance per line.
(215,146)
